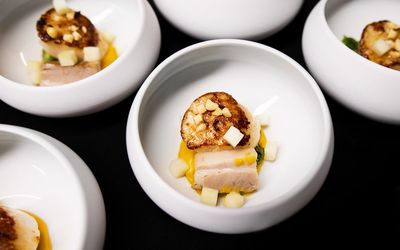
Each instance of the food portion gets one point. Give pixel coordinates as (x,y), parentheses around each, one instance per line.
(222,150)
(73,48)
(20,230)
(380,43)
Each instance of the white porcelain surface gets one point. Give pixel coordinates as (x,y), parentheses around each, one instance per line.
(41,175)
(137,40)
(358,83)
(250,19)
(254,75)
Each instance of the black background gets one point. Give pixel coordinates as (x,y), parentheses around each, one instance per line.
(359,200)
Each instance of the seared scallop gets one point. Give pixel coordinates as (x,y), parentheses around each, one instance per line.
(210,116)
(380,43)
(18,230)
(70,31)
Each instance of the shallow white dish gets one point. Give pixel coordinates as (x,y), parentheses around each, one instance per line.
(361,85)
(137,40)
(253,74)
(41,175)
(209,19)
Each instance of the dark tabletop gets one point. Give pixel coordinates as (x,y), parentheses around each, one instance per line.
(359,200)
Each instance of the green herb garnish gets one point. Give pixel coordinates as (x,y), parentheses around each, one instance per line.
(351,43)
(260,154)
(46,57)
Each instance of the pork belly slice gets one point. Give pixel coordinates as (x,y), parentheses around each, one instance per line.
(218,170)
(54,74)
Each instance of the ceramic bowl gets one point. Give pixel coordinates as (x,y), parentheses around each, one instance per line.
(361,85)
(208,19)
(137,40)
(260,78)
(41,175)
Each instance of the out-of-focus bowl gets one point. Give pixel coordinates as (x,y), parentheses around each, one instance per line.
(256,76)
(137,40)
(362,85)
(41,175)
(209,19)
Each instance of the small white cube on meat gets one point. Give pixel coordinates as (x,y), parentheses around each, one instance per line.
(271,151)
(60,6)
(209,196)
(380,47)
(233,136)
(35,72)
(67,58)
(178,167)
(91,54)
(233,200)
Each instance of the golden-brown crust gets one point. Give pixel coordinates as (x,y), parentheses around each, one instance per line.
(211,138)
(63,26)
(372,33)
(7,232)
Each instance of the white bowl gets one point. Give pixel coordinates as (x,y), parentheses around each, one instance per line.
(41,175)
(255,75)
(137,40)
(362,85)
(208,19)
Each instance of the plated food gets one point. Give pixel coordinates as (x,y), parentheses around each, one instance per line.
(222,149)
(20,230)
(73,48)
(380,43)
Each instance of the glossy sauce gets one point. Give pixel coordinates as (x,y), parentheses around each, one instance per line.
(45,242)
(109,57)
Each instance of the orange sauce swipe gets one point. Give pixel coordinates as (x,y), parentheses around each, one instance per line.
(110,56)
(45,242)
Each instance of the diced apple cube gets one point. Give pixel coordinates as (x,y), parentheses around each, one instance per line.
(380,47)
(60,6)
(264,120)
(397,45)
(226,112)
(233,136)
(210,105)
(209,196)
(271,151)
(217,112)
(198,119)
(201,108)
(178,167)
(91,54)
(35,72)
(67,58)
(233,200)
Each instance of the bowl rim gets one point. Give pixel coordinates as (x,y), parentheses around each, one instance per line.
(36,138)
(345,49)
(133,135)
(90,79)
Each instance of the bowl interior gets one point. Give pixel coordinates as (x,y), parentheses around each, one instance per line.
(19,42)
(348,18)
(33,179)
(253,76)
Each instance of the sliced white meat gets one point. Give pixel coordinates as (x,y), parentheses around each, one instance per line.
(220,170)
(54,74)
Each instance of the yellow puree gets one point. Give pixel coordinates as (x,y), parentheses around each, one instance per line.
(109,57)
(188,156)
(44,243)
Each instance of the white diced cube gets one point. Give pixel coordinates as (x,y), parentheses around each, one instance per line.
(67,58)
(209,196)
(198,119)
(233,136)
(178,167)
(35,72)
(91,54)
(264,119)
(271,151)
(210,105)
(380,47)
(233,200)
(60,6)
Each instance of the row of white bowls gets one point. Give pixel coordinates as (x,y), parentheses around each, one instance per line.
(256,75)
